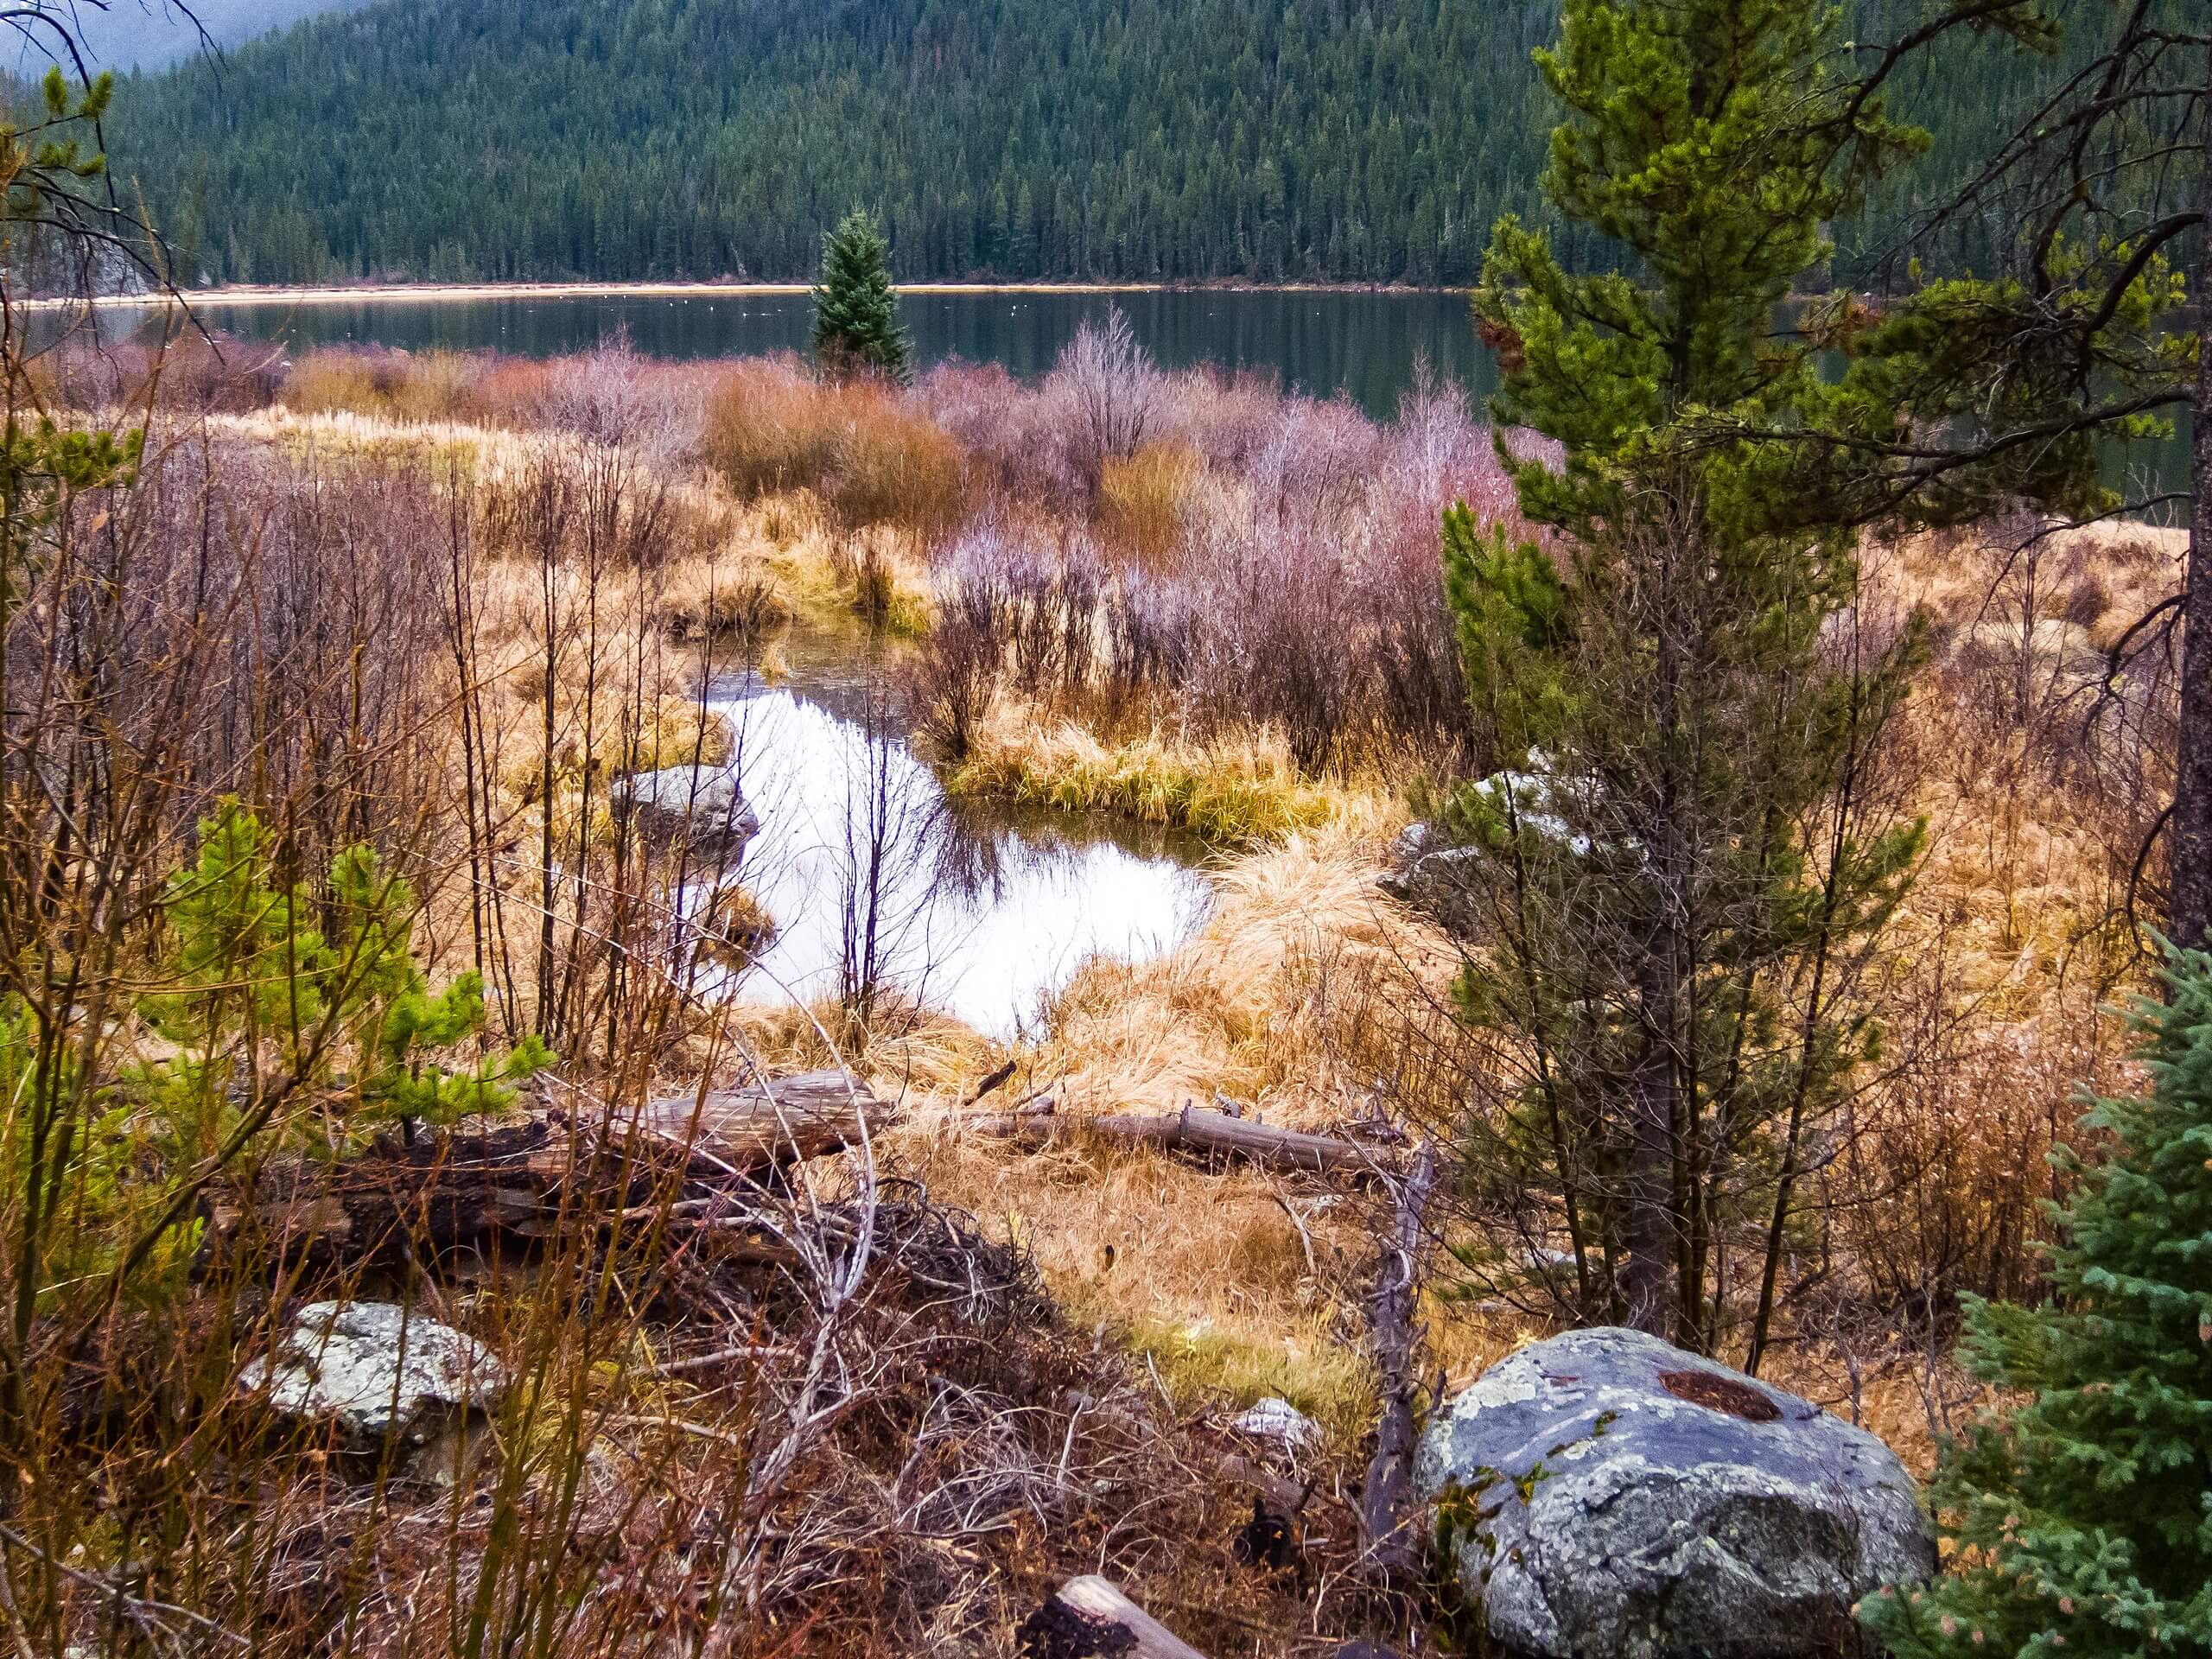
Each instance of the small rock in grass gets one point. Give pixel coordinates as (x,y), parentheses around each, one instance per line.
(374,1372)
(1279,1421)
(700,805)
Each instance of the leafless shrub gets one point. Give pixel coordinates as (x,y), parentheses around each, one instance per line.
(1110,391)
(614,397)
(1301,587)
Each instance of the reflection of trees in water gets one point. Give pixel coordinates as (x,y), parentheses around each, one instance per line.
(893,816)
(888,896)
(971,853)
(982,846)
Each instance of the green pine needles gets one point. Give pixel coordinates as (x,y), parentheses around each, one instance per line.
(1686,866)
(856,328)
(324,978)
(296,1018)
(2081,1523)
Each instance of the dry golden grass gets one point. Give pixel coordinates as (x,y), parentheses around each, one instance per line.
(2019,876)
(1234,790)
(1146,501)
(706,599)
(1206,1272)
(1255,1005)
(419,386)
(863,449)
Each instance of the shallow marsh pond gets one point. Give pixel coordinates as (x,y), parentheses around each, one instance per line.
(868,868)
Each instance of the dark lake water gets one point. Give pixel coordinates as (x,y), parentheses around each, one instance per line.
(1364,345)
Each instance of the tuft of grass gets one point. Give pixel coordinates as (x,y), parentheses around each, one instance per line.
(1330,1380)
(1233,791)
(716,599)
(427,386)
(1146,501)
(868,452)
(1293,998)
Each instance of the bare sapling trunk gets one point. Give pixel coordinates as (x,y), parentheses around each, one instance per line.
(1649,1231)
(1392,1538)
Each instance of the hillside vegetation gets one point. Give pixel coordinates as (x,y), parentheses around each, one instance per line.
(1140,139)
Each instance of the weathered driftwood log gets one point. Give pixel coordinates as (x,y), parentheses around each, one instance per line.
(1088,1616)
(463,1188)
(1200,1130)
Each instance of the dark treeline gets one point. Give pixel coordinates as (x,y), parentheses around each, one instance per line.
(1341,140)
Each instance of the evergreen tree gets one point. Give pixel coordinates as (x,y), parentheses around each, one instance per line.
(855,309)
(251,972)
(1683,871)
(2082,1523)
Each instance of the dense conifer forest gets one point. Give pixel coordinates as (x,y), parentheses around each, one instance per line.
(1329,140)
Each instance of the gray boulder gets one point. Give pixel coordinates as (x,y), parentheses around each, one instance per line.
(1607,1493)
(702,805)
(374,1370)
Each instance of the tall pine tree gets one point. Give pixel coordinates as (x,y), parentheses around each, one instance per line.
(2081,1523)
(856,328)
(1685,871)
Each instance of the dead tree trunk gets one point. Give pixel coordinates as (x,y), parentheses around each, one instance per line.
(467,1188)
(1197,1130)
(1394,1315)
(2190,915)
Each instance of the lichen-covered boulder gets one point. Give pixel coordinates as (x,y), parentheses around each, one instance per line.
(373,1371)
(1607,1493)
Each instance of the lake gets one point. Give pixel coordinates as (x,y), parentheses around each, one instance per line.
(1365,346)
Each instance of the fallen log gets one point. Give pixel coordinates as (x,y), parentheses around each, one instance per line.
(809,1116)
(1088,1616)
(467,1188)
(1200,1130)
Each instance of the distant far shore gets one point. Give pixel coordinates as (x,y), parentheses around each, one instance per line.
(370,293)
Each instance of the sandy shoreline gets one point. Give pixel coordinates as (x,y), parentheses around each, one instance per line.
(216,298)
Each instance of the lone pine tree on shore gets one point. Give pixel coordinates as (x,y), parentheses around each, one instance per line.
(856,328)
(2081,1523)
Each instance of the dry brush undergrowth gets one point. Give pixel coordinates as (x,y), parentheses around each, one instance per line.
(438,605)
(445,641)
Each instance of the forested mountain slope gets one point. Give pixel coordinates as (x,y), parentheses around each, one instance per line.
(1263,139)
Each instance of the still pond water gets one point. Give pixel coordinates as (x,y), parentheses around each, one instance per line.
(870,871)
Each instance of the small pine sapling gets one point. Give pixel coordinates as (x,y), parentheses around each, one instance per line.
(253,981)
